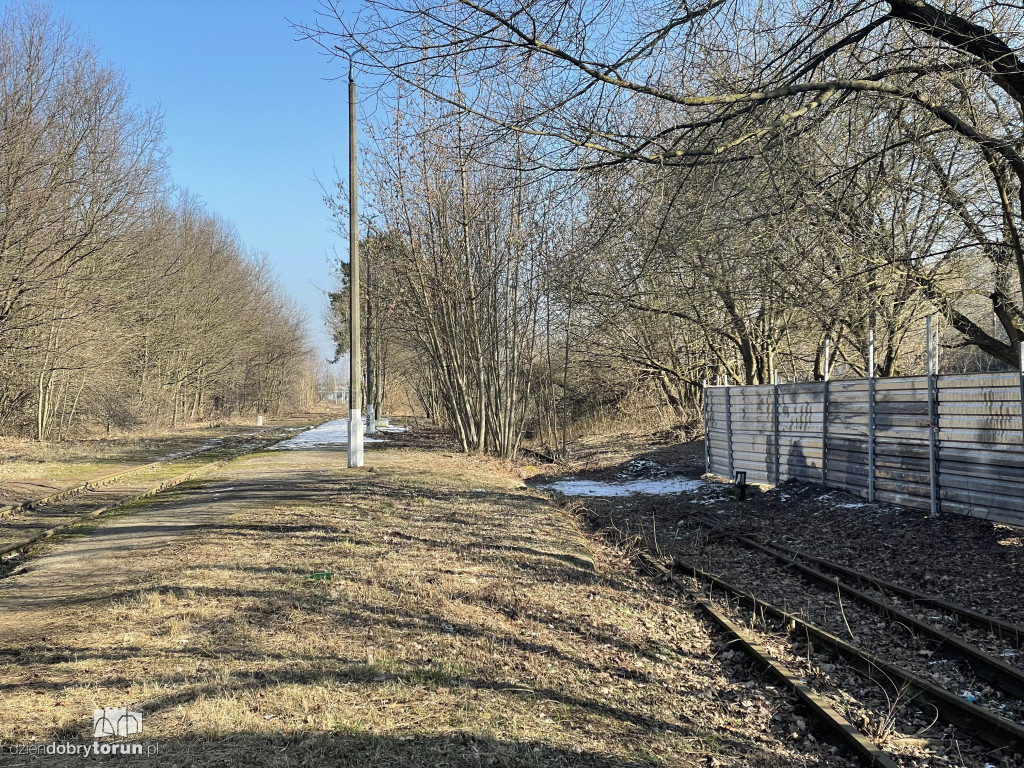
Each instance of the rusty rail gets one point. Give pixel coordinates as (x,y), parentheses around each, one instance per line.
(989,727)
(837,725)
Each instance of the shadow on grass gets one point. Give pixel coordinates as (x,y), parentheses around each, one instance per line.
(266,609)
(350,746)
(230,641)
(340,672)
(499,546)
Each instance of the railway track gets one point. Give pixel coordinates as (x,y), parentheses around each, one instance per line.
(922,653)
(64,494)
(954,643)
(989,644)
(1004,630)
(836,725)
(65,510)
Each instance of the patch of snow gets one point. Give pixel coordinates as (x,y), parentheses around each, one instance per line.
(648,487)
(332,433)
(853,505)
(392,430)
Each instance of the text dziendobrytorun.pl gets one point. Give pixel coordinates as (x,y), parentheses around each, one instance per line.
(83,750)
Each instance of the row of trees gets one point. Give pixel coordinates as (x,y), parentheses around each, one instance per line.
(684,191)
(122,302)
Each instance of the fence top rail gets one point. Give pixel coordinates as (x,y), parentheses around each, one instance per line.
(978,378)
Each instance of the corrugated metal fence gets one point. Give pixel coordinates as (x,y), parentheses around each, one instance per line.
(949,443)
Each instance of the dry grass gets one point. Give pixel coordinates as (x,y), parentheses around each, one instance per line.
(467,623)
(29,468)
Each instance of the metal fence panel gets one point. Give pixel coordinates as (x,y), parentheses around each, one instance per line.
(877,435)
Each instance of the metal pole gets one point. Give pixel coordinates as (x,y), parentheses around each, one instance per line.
(355,406)
(1020,359)
(707,428)
(775,418)
(871,415)
(932,422)
(728,425)
(824,419)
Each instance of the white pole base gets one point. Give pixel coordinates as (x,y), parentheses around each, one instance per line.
(355,438)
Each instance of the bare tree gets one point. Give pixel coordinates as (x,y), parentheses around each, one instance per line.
(118,303)
(722,82)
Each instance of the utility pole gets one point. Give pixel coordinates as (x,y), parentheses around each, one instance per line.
(355,408)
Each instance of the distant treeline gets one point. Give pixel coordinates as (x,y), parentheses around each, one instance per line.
(122,300)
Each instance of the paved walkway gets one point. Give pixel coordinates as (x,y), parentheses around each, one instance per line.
(115,555)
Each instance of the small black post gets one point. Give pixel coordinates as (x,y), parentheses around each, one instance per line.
(741,485)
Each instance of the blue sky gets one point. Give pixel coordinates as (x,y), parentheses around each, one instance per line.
(249,115)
